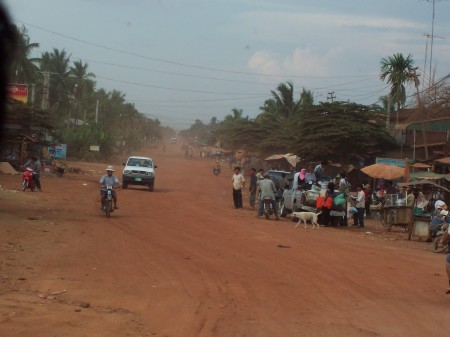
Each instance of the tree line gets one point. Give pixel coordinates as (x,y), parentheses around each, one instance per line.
(67,91)
(340,131)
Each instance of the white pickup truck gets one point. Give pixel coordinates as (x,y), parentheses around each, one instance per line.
(298,200)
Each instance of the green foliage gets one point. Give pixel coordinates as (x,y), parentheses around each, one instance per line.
(80,139)
(341,132)
(73,97)
(397,70)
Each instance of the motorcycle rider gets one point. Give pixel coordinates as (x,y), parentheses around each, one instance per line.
(35,165)
(109,179)
(267,190)
(216,167)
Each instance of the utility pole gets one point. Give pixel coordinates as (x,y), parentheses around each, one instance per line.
(422,111)
(96,113)
(331,96)
(45,90)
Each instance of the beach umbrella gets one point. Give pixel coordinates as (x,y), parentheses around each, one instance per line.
(384,171)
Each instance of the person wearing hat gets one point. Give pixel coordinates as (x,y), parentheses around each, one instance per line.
(444,240)
(109,179)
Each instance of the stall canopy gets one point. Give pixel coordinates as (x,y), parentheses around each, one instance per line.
(427,175)
(445,160)
(384,171)
(422,182)
(292,159)
(421,166)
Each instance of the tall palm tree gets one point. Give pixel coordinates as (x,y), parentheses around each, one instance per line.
(306,98)
(397,70)
(80,77)
(284,99)
(57,63)
(24,68)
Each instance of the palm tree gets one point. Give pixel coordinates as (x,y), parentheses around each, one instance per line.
(306,98)
(284,99)
(23,68)
(397,70)
(80,76)
(57,63)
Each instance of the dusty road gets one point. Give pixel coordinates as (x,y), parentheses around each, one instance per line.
(182,262)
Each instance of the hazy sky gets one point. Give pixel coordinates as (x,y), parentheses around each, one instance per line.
(182,60)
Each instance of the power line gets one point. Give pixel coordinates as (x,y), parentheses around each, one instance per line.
(156,59)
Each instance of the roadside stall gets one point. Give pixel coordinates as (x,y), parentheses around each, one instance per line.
(420,224)
(393,210)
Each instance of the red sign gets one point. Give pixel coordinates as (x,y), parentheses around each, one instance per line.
(18,92)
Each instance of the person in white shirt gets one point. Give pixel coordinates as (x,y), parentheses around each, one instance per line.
(238,184)
(358,218)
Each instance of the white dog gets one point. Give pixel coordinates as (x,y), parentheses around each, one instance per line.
(305,216)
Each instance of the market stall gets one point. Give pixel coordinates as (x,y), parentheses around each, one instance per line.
(420,222)
(393,211)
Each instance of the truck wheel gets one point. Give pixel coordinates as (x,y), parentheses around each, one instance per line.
(151,187)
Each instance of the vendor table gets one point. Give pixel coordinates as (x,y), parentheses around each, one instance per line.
(396,216)
(420,226)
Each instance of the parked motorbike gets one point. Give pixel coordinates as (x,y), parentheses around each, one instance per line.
(268,208)
(27,179)
(436,247)
(108,202)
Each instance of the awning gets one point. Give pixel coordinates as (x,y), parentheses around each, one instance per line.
(445,160)
(427,175)
(292,159)
(421,165)
(422,182)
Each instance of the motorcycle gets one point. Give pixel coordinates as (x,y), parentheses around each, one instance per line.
(268,208)
(27,179)
(108,202)
(436,247)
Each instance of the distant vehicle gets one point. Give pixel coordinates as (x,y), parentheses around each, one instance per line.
(173,140)
(139,171)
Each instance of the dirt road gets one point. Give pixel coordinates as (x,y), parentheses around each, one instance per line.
(182,262)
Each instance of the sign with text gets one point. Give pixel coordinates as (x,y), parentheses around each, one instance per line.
(18,92)
(58,151)
(95,148)
(390,161)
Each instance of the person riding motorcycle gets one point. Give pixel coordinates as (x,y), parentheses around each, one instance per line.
(267,190)
(109,179)
(216,167)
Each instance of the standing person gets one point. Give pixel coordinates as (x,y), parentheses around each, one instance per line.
(252,187)
(358,218)
(109,179)
(368,199)
(267,190)
(301,179)
(443,241)
(318,170)
(35,165)
(238,183)
(328,204)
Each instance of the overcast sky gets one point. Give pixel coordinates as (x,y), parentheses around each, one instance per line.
(182,60)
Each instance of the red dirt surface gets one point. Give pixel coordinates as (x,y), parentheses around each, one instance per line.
(182,262)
